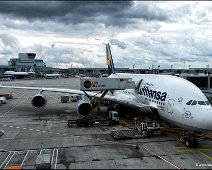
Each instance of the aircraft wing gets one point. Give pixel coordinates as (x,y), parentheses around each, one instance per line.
(126,101)
(71,91)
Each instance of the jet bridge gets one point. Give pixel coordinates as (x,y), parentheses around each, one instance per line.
(99,84)
(103,85)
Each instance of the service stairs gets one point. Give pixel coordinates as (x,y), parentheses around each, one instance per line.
(125,134)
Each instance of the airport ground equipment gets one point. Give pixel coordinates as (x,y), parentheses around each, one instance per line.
(7,95)
(75,97)
(87,122)
(143,129)
(43,161)
(112,120)
(113,115)
(1,132)
(2,99)
(126,134)
(64,99)
(149,128)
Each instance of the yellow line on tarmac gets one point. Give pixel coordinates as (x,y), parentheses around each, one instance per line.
(186,150)
(198,150)
(204,155)
(181,147)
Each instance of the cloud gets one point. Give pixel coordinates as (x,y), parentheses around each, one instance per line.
(115,13)
(9,46)
(74,33)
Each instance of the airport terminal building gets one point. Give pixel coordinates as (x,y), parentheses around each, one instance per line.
(25,61)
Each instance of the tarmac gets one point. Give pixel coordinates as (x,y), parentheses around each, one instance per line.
(29,131)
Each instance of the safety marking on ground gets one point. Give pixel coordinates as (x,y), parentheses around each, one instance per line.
(16,105)
(198,150)
(115,142)
(54,159)
(37,130)
(21,161)
(5,160)
(24,158)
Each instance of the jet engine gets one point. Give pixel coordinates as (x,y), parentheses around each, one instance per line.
(39,101)
(84,107)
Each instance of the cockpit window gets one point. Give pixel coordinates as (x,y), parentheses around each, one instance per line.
(189,102)
(194,102)
(201,103)
(207,102)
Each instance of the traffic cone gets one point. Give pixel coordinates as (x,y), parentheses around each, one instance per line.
(137,146)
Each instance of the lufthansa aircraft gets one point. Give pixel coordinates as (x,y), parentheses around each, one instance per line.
(166,97)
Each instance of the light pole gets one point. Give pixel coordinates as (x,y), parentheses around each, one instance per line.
(133,68)
(189,69)
(152,69)
(171,67)
(207,67)
(209,79)
(184,67)
(71,70)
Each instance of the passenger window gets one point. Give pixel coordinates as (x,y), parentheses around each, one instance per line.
(189,102)
(194,102)
(201,103)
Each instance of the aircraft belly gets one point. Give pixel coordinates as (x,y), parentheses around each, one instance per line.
(184,124)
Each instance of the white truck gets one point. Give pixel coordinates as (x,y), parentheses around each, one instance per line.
(2,99)
(113,115)
(113,120)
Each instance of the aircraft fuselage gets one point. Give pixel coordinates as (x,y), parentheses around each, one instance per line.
(177,100)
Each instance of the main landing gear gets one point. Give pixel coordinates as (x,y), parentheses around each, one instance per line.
(190,140)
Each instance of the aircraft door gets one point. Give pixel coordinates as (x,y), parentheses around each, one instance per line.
(170,106)
(138,85)
(139,96)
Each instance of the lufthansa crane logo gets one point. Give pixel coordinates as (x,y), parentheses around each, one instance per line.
(187,114)
(87,84)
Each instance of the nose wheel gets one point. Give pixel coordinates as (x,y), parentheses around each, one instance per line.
(191,141)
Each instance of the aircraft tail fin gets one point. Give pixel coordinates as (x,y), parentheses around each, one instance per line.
(109,59)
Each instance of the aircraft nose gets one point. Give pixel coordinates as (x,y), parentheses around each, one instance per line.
(207,119)
(202,118)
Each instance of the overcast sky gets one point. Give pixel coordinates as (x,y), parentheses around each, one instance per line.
(74,33)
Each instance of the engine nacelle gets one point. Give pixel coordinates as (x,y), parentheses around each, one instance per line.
(39,101)
(84,107)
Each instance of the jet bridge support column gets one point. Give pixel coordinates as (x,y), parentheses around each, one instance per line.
(95,102)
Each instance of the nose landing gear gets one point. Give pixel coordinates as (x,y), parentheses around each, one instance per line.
(191,141)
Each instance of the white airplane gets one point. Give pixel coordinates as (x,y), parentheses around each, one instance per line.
(166,97)
(17,75)
(49,76)
(20,74)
